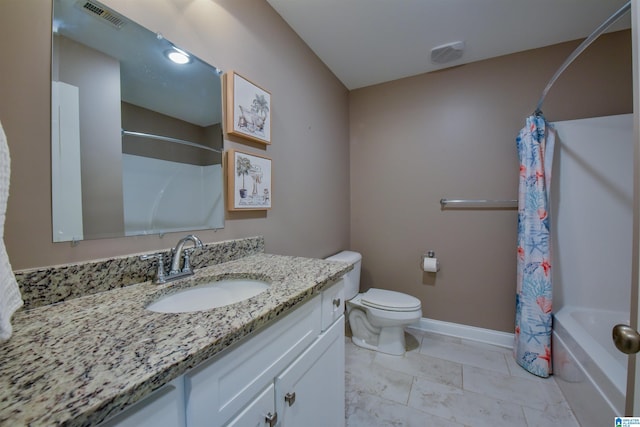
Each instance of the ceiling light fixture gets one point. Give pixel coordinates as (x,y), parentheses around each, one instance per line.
(178,56)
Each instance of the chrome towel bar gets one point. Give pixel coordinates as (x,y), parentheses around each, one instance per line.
(478,203)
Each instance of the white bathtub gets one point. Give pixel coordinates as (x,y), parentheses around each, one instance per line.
(590,371)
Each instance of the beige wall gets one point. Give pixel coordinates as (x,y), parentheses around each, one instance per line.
(310,150)
(452,134)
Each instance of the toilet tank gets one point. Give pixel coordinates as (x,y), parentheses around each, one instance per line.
(351,278)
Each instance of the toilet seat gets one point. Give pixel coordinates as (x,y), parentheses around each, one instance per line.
(383,299)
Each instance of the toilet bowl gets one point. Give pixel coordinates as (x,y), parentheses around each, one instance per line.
(377,317)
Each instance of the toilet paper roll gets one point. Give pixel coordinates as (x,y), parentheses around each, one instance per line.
(430,265)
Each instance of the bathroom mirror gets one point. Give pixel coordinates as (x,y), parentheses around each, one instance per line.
(136,138)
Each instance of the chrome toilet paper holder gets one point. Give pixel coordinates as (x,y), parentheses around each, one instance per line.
(428,254)
(423,264)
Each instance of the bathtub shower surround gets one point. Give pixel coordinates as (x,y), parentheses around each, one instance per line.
(592,207)
(49,285)
(532,348)
(589,370)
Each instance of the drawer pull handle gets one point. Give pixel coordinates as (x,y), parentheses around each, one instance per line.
(290,398)
(336,302)
(272,419)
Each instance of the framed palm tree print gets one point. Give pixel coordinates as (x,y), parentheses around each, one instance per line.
(248,109)
(248,181)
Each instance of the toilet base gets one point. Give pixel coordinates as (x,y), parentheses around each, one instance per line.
(389,342)
(386,339)
(362,343)
(392,341)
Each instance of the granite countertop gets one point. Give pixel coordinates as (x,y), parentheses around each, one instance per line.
(77,362)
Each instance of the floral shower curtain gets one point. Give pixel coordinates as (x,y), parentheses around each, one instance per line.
(532,347)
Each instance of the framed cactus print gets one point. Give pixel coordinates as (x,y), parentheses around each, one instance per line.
(248,181)
(248,112)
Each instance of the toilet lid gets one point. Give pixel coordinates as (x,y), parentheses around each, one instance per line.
(390,300)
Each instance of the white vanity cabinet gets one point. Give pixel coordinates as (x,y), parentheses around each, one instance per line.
(163,408)
(260,412)
(290,374)
(310,392)
(332,304)
(220,388)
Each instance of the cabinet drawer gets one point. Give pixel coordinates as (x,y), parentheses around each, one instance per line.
(332,304)
(220,388)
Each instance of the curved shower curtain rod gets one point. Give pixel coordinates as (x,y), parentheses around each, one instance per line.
(598,31)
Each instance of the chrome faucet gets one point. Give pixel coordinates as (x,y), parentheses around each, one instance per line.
(178,253)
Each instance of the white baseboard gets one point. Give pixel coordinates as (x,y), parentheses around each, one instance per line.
(488,336)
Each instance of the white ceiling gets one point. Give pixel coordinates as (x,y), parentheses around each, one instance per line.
(365,42)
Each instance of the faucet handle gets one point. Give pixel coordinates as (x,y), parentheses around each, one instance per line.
(186,268)
(160,276)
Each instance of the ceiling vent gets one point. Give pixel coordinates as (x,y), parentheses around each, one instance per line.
(106,15)
(447,52)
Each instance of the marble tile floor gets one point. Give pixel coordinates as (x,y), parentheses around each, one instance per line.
(445,381)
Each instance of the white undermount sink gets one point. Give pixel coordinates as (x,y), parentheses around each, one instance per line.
(209,295)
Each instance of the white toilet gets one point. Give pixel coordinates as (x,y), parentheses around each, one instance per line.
(377,317)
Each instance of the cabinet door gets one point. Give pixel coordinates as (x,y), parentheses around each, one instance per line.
(163,408)
(310,393)
(258,412)
(221,387)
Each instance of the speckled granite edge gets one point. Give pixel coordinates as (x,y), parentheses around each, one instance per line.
(79,362)
(49,285)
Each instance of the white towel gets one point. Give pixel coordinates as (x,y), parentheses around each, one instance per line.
(10,298)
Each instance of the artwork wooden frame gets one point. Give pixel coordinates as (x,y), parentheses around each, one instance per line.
(241,164)
(248,112)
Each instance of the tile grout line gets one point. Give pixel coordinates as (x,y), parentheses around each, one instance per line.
(524,415)
(508,367)
(413,382)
